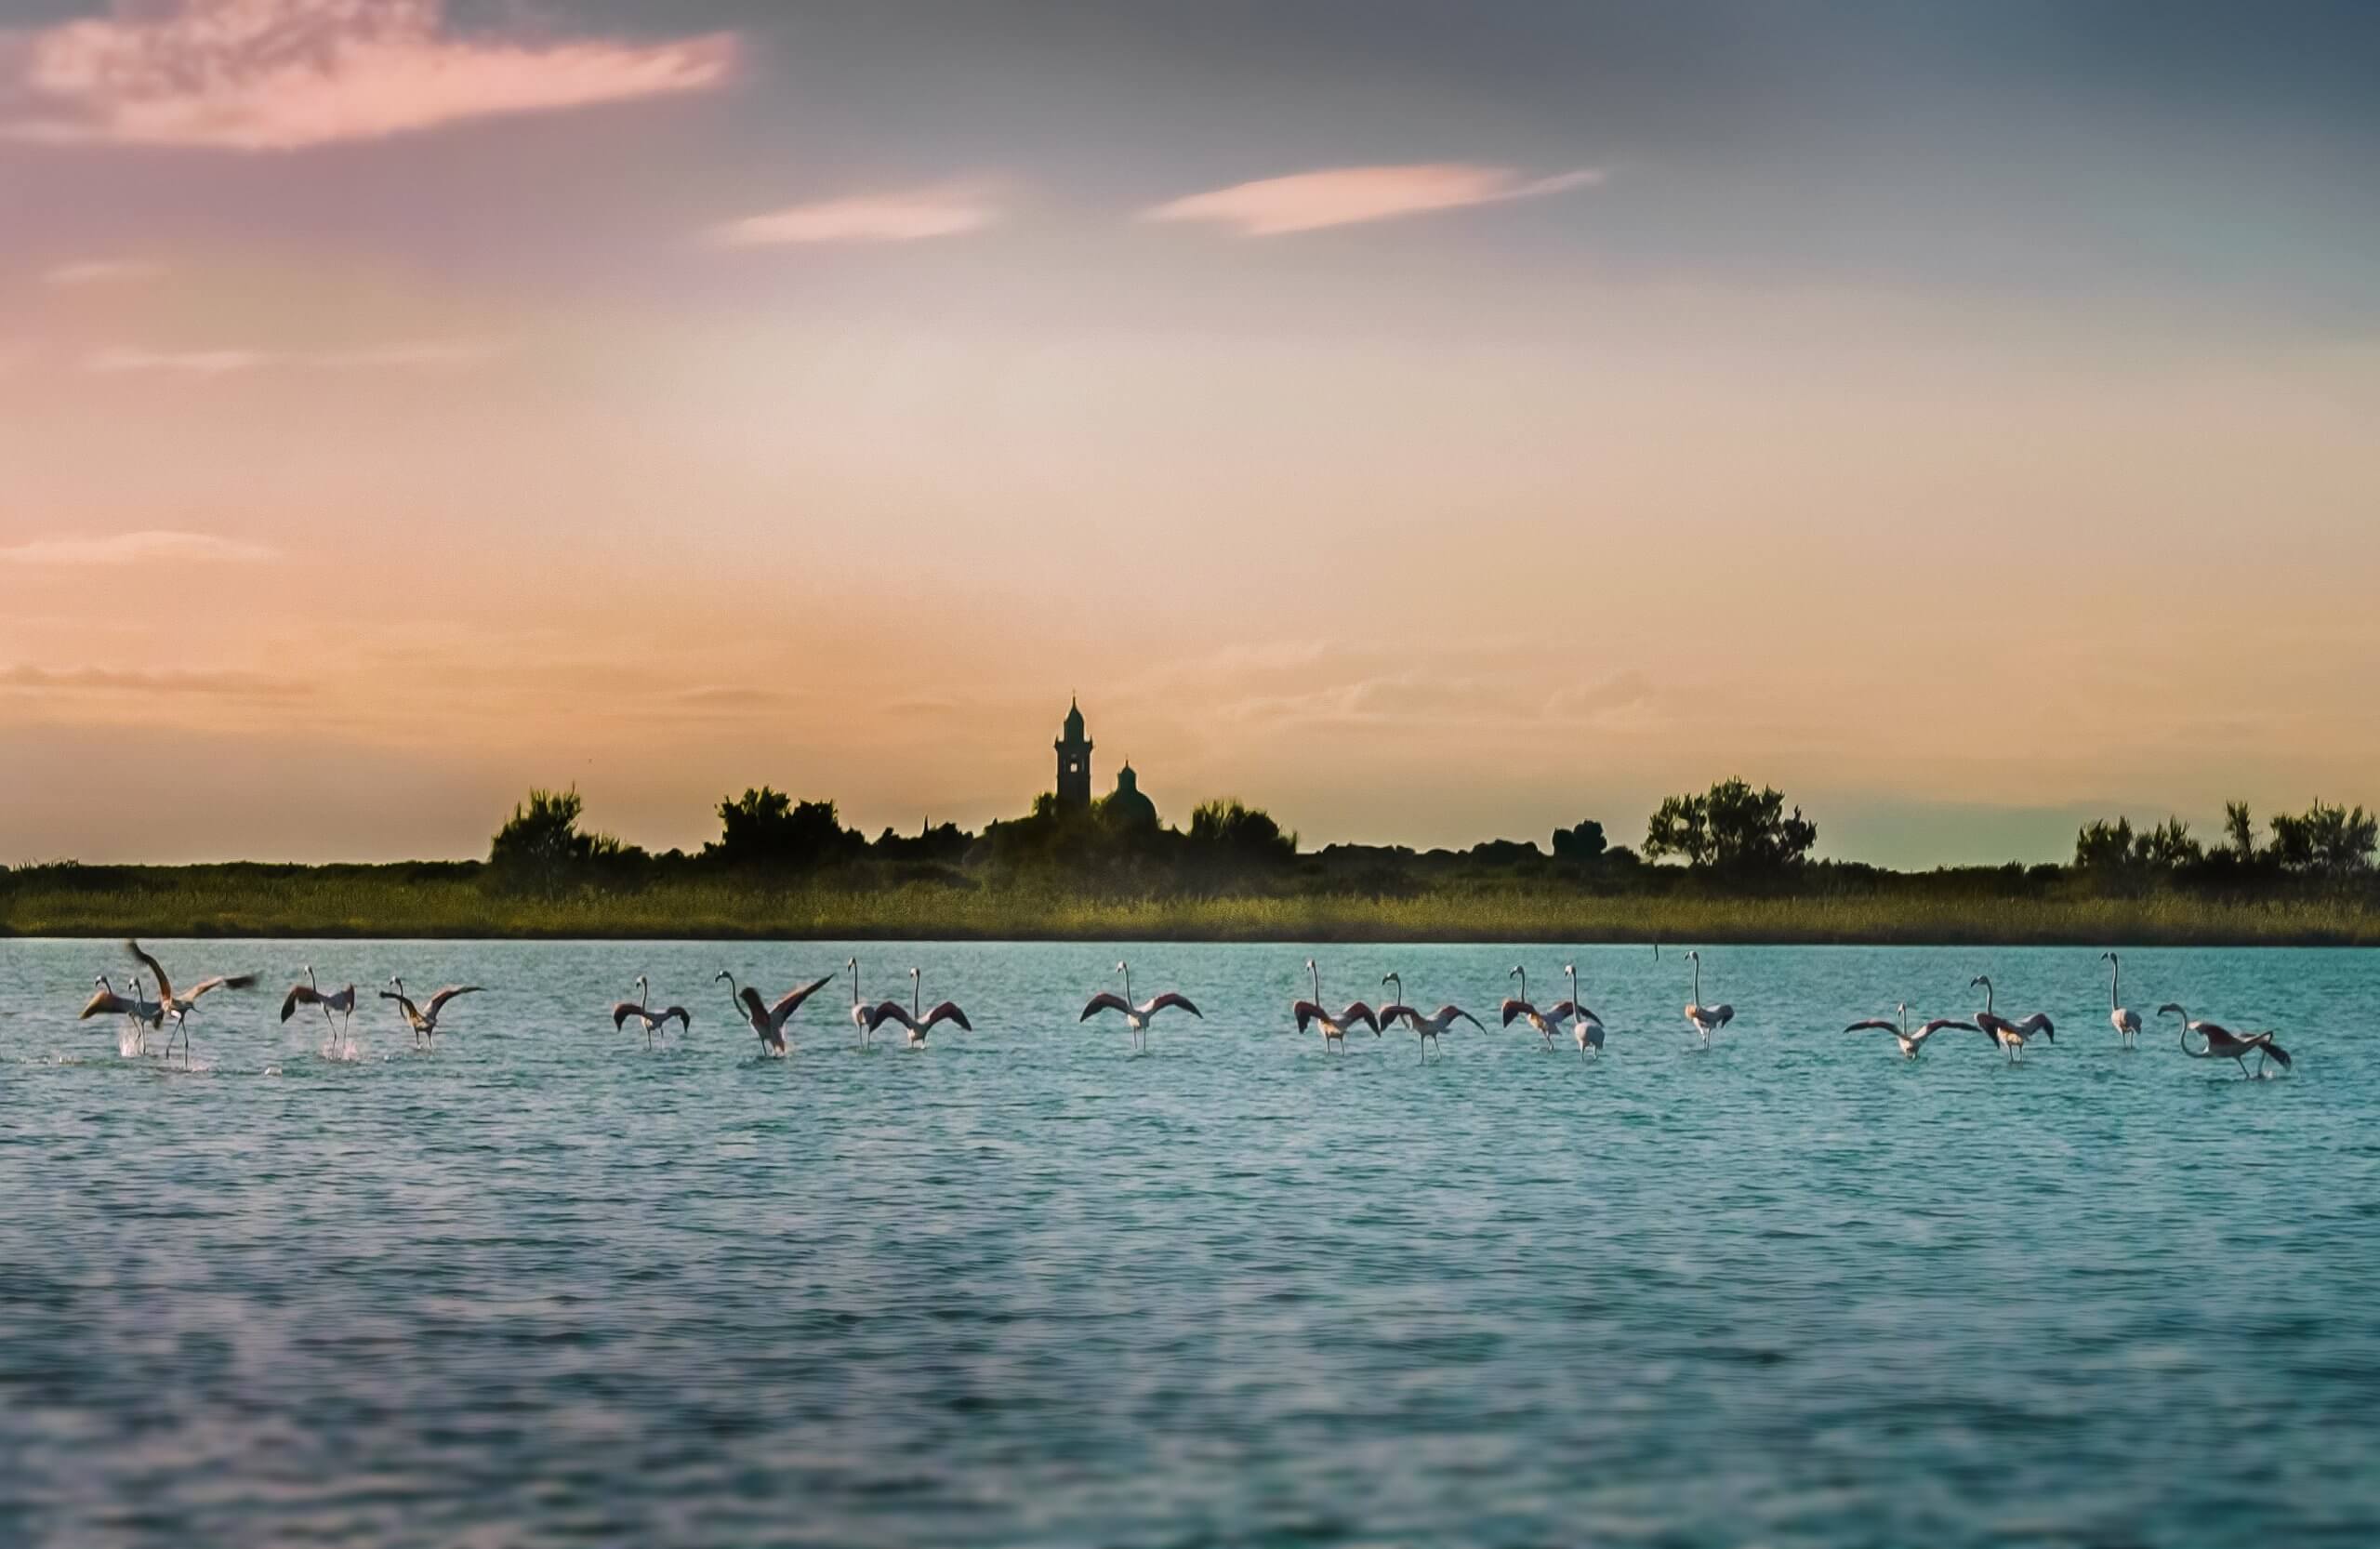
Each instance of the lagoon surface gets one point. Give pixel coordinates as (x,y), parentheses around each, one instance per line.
(1027,1288)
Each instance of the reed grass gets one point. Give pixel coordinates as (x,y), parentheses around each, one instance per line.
(394,902)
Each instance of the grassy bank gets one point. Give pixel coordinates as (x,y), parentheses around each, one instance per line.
(458,902)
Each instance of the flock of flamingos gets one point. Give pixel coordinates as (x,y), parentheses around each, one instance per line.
(1570,1017)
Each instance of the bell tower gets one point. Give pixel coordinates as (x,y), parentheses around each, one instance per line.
(1073,764)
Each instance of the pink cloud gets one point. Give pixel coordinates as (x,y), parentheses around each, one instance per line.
(102,271)
(1347,195)
(144,548)
(432,355)
(912,215)
(285,75)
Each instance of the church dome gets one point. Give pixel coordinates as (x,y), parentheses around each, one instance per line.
(1128,808)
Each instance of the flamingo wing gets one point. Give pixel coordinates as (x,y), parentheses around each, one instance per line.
(947,1011)
(2039,1022)
(1939,1024)
(1396,1011)
(1305,1011)
(685,1018)
(1515,1010)
(887,1011)
(792,999)
(1175,998)
(1876,1022)
(621,1012)
(300,994)
(221,981)
(405,1005)
(1105,1000)
(106,1002)
(449,993)
(1722,1015)
(1449,1015)
(1357,1012)
(2264,1042)
(156,970)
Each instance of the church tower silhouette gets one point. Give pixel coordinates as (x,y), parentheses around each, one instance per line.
(1074,762)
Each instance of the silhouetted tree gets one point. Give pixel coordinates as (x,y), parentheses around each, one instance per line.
(1584,842)
(768,828)
(1732,825)
(2102,846)
(1245,836)
(2325,839)
(541,845)
(2238,830)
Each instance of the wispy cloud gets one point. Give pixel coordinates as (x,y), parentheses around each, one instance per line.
(912,215)
(1347,195)
(142,547)
(100,680)
(103,272)
(404,355)
(177,362)
(285,74)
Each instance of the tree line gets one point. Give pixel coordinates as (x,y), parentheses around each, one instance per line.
(1732,837)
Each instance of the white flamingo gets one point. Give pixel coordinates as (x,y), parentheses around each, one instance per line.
(2009,1035)
(1334,1028)
(1427,1027)
(1706,1019)
(1911,1042)
(179,1006)
(2222,1043)
(1136,1018)
(423,1020)
(311,994)
(859,1010)
(623,1009)
(920,1022)
(2126,1021)
(1589,1030)
(143,1016)
(1544,1024)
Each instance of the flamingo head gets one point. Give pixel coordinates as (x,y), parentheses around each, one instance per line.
(1309,963)
(2107,957)
(1120,967)
(723,974)
(1983,979)
(2172,1008)
(1515,970)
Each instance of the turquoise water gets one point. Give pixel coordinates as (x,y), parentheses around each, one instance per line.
(1026,1288)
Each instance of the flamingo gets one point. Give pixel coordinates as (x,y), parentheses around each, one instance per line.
(144,1015)
(1334,1028)
(768,1021)
(1136,1018)
(1546,1024)
(919,1023)
(1911,1042)
(311,994)
(424,1019)
(179,1006)
(623,1009)
(1706,1019)
(2222,1043)
(2126,1021)
(1589,1031)
(859,1012)
(1428,1027)
(2009,1035)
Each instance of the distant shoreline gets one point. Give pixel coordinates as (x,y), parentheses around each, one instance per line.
(452,903)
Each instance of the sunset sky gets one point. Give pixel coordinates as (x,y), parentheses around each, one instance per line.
(1428,422)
